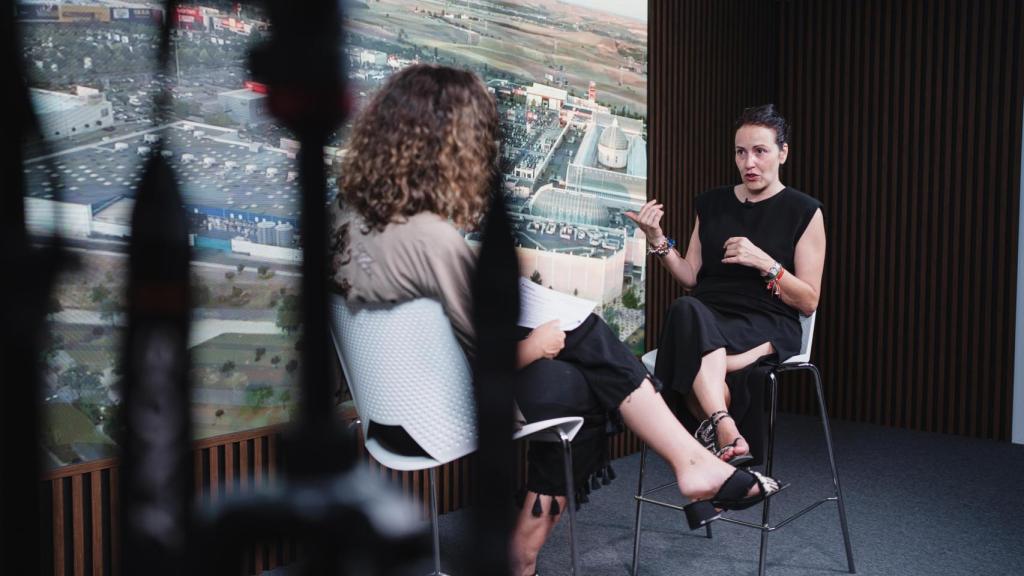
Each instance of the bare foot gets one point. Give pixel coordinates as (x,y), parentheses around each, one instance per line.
(727,434)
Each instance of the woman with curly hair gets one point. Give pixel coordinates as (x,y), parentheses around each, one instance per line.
(419,164)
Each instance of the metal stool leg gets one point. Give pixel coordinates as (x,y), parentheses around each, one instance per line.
(433,524)
(570,501)
(832,463)
(639,503)
(773,411)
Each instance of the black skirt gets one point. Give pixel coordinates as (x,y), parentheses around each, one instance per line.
(592,375)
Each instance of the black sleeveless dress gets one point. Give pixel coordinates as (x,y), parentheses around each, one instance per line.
(730,307)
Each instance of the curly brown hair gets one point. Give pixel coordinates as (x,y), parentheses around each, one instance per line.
(427,142)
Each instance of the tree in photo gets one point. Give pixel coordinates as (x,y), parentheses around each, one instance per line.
(99,294)
(289,314)
(108,311)
(630,300)
(257,396)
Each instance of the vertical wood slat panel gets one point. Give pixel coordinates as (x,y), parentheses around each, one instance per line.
(115,522)
(272,459)
(229,468)
(257,462)
(197,463)
(96,507)
(85,531)
(918,302)
(214,478)
(243,465)
(258,483)
(907,125)
(78,525)
(59,552)
(273,560)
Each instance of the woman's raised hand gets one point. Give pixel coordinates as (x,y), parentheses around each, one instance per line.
(649,220)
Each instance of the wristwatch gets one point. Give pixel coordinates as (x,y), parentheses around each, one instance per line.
(773,270)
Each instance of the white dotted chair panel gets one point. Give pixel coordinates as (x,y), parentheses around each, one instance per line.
(405,368)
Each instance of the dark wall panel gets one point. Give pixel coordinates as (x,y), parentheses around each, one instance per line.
(907,121)
(907,125)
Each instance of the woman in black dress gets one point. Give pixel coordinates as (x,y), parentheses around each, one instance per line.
(754,263)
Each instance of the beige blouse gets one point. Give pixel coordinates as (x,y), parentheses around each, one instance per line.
(423,256)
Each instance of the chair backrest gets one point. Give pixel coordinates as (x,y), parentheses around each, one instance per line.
(405,368)
(806,339)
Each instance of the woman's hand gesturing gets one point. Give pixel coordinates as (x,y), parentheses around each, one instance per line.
(649,220)
(740,250)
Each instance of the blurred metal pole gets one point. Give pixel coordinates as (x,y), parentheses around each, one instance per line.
(23,300)
(345,521)
(496,314)
(157,488)
(303,70)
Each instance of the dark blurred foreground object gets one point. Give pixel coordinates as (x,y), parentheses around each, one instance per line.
(343,520)
(156,443)
(495,317)
(24,297)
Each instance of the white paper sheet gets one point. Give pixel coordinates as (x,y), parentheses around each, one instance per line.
(538,305)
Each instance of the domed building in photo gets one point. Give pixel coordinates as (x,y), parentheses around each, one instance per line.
(613,147)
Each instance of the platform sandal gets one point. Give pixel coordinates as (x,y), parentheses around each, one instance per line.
(732,495)
(707,434)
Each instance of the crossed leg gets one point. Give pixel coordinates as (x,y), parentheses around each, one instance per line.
(710,393)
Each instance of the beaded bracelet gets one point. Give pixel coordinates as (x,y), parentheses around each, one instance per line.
(663,248)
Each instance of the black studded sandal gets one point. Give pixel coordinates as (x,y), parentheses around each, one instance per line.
(707,435)
(732,495)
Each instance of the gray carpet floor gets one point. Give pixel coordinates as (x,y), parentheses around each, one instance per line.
(917,503)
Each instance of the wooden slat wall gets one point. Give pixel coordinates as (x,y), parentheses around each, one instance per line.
(709,59)
(83,525)
(907,125)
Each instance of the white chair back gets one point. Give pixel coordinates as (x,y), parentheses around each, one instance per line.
(806,339)
(405,368)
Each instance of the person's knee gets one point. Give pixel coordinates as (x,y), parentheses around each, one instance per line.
(684,307)
(684,304)
(553,389)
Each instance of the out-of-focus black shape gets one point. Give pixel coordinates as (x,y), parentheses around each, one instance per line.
(495,314)
(31,272)
(302,68)
(156,442)
(343,520)
(156,499)
(346,524)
